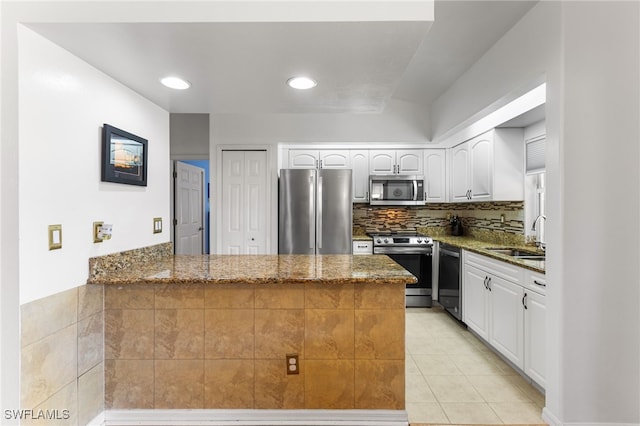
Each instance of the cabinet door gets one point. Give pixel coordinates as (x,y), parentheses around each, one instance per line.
(535,317)
(410,162)
(435,175)
(460,173)
(475,300)
(360,166)
(507,319)
(334,159)
(481,168)
(303,159)
(382,162)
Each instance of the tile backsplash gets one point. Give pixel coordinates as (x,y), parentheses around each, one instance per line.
(506,217)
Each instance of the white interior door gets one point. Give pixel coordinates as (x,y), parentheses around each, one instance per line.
(189,209)
(244,202)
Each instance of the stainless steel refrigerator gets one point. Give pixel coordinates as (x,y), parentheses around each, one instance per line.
(315,211)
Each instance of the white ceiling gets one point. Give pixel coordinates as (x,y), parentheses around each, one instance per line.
(243,67)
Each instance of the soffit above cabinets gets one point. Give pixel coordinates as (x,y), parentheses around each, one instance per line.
(241,67)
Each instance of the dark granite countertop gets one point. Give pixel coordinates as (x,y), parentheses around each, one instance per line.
(480,247)
(258,269)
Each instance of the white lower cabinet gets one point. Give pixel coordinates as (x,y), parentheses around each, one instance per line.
(535,320)
(475,300)
(502,309)
(507,319)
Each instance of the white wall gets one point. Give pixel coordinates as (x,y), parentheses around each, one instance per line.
(189,134)
(400,122)
(589,53)
(600,316)
(513,66)
(63,105)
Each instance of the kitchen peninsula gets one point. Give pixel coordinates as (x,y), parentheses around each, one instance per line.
(211,332)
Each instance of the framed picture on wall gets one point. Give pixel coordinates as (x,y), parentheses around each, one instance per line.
(124,157)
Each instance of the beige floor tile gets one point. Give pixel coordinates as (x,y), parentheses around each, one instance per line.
(428,412)
(475,364)
(424,347)
(517,412)
(410,366)
(474,413)
(531,391)
(469,381)
(417,389)
(436,365)
(497,389)
(454,344)
(453,389)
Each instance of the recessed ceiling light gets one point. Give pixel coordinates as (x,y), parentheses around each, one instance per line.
(175,83)
(301,83)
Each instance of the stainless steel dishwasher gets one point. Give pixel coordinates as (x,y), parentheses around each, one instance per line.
(449,280)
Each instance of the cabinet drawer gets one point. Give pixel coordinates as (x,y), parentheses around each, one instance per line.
(535,282)
(504,270)
(362,247)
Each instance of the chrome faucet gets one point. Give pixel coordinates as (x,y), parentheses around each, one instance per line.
(535,222)
(539,241)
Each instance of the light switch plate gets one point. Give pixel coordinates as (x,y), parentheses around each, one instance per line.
(157,225)
(55,237)
(96,232)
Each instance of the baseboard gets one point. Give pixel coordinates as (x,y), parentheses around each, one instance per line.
(98,420)
(255,417)
(552,420)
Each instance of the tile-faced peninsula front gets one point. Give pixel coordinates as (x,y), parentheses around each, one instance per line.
(226,323)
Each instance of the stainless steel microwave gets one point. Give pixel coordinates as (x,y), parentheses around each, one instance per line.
(396,190)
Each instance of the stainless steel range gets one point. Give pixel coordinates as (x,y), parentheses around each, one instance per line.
(412,251)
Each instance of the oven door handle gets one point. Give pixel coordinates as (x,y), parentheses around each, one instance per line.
(403,250)
(449,253)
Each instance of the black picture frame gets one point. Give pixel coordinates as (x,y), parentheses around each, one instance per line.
(124,157)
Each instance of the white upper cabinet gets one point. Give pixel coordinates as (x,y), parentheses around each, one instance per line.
(435,175)
(320,159)
(360,175)
(430,163)
(398,162)
(460,173)
(338,159)
(489,167)
(481,171)
(303,159)
(382,162)
(356,160)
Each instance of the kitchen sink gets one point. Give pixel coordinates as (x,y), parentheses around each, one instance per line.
(517,253)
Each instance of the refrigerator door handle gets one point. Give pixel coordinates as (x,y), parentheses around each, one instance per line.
(319,216)
(312,243)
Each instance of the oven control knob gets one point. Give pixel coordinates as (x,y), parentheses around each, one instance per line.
(419,240)
(386,240)
(379,240)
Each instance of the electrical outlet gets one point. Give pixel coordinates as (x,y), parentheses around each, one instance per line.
(501,218)
(292,364)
